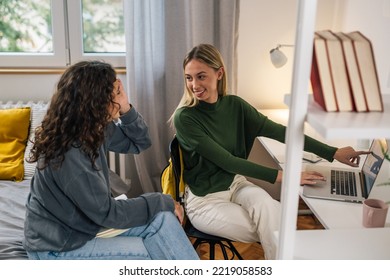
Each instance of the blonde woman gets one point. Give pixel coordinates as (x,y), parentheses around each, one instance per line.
(216,132)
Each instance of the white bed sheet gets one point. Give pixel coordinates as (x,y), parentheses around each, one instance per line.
(13,197)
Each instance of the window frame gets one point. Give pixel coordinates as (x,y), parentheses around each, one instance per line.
(67,42)
(59,55)
(76,39)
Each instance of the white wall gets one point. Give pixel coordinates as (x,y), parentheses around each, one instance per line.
(25,87)
(34,87)
(372,18)
(263,24)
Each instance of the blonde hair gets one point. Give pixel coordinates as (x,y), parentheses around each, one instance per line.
(210,56)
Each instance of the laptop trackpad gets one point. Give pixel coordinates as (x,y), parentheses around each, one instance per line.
(320,189)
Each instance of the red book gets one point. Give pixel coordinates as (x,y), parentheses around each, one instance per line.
(367,70)
(320,76)
(338,71)
(353,73)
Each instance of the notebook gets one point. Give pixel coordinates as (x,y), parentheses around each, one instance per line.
(338,181)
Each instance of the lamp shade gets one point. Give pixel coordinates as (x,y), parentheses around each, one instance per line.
(278,58)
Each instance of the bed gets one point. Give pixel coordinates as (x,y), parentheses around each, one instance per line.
(13,197)
(12,209)
(18,122)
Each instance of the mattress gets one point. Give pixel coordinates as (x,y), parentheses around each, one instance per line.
(13,196)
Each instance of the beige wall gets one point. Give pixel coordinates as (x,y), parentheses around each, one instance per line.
(264,24)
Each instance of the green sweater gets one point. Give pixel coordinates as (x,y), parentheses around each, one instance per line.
(216,140)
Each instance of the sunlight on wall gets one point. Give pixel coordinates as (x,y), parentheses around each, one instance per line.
(263,25)
(259,82)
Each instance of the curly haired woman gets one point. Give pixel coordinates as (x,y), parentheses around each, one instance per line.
(70,199)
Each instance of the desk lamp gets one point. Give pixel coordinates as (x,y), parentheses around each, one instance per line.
(278,58)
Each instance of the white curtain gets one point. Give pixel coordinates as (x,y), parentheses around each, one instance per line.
(159,33)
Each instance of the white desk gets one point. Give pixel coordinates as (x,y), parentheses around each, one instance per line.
(341,215)
(347,215)
(343,244)
(336,214)
(344,237)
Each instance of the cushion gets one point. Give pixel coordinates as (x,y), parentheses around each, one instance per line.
(13,140)
(38,111)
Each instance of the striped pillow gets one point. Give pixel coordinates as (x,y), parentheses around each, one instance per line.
(38,111)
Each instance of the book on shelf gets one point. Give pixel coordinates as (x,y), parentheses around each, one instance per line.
(112,232)
(320,76)
(367,70)
(338,71)
(354,80)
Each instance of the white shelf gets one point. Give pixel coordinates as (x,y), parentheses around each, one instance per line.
(349,125)
(294,133)
(305,244)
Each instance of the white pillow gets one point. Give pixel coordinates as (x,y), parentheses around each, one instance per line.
(38,111)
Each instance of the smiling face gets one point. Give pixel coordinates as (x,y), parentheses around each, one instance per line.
(202,80)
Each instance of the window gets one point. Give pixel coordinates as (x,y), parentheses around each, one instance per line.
(96,30)
(18,39)
(26,26)
(103,27)
(53,33)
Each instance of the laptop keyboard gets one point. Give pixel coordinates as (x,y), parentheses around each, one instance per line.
(343,182)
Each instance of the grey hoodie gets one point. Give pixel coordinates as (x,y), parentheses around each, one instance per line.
(67,206)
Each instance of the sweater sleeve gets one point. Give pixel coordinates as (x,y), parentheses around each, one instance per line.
(129,135)
(194,139)
(88,190)
(278,132)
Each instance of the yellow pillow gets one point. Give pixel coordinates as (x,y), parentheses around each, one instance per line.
(13,140)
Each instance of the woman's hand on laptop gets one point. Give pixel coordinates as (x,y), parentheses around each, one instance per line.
(307,177)
(311,177)
(349,156)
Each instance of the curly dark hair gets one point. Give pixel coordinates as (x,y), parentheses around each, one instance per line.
(78,113)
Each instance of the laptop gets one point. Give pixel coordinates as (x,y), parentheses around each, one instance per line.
(349,184)
(260,154)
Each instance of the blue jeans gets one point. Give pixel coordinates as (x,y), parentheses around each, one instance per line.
(162,239)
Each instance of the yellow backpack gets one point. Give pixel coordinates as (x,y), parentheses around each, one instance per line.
(173,173)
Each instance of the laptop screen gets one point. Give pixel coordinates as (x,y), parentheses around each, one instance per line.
(373,163)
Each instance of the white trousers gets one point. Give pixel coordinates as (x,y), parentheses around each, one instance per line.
(244,213)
